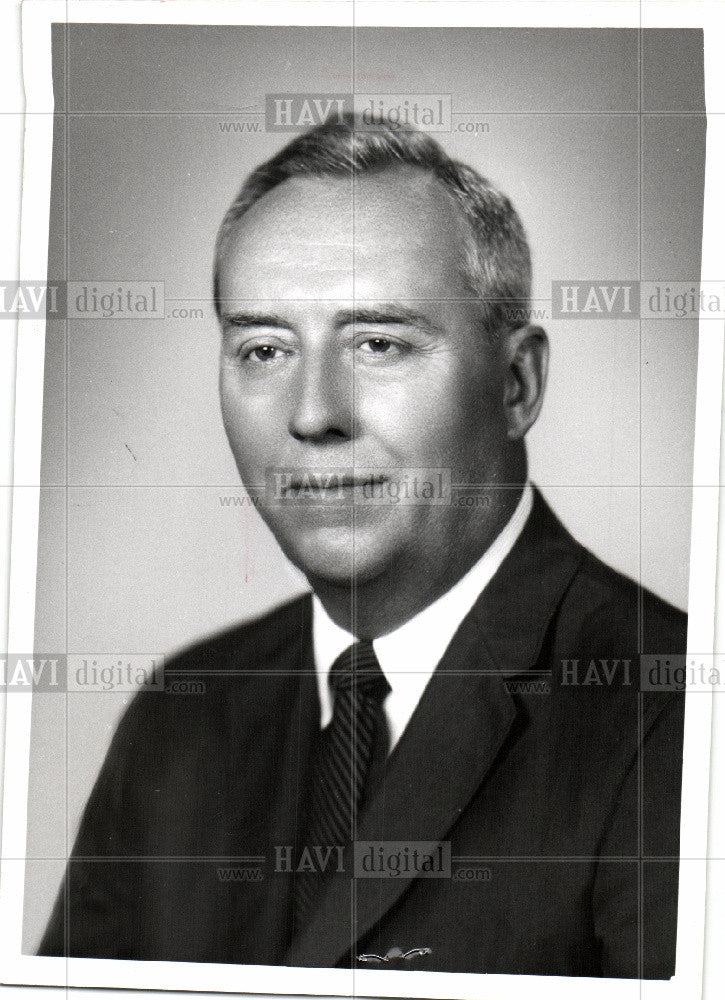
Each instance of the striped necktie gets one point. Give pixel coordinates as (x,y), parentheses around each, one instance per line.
(342,761)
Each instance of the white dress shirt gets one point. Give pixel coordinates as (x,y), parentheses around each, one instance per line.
(409,655)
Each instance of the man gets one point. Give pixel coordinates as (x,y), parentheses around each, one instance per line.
(464,682)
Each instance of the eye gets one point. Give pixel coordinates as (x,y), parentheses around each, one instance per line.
(262,354)
(378,345)
(373,346)
(265,352)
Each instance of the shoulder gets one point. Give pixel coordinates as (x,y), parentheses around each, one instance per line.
(607,606)
(221,683)
(581,601)
(601,632)
(608,632)
(603,719)
(250,644)
(212,720)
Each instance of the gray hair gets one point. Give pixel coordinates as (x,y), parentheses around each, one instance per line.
(498,260)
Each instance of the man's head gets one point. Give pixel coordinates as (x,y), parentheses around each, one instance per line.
(371,293)
(495,254)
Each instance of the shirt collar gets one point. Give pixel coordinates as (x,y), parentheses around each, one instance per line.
(409,654)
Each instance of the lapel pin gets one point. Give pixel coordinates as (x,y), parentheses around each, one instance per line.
(395,952)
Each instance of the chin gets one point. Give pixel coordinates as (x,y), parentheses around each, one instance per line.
(336,556)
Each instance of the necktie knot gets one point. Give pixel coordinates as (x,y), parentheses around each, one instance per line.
(357,669)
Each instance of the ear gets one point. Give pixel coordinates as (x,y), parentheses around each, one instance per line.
(527,362)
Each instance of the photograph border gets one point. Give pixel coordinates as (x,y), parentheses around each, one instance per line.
(38,15)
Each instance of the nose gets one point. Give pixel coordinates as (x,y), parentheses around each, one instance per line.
(322,403)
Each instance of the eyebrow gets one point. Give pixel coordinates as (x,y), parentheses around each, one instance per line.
(247,319)
(388,314)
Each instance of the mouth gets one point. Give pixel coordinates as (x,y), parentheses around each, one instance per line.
(330,485)
(330,482)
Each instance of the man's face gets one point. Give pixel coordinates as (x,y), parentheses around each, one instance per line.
(351,342)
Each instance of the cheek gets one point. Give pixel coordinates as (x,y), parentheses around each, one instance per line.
(247,430)
(432,421)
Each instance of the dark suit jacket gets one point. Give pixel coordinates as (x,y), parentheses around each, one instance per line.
(568,801)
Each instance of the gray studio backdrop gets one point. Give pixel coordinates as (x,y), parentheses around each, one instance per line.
(139,552)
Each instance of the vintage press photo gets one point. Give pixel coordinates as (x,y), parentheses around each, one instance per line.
(365,511)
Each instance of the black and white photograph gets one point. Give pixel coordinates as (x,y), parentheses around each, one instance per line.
(362,578)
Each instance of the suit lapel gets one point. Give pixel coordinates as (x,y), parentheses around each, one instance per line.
(441,759)
(454,735)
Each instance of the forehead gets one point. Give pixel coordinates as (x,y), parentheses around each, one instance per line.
(395,234)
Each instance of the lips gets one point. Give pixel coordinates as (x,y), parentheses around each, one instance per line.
(331,486)
(330,482)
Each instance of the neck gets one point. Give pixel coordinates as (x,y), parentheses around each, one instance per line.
(409,585)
